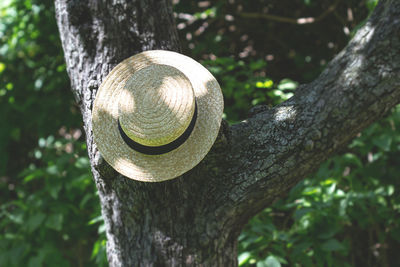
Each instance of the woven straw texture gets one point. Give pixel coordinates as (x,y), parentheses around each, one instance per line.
(153,95)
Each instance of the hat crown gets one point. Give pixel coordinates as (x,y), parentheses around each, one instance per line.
(156,105)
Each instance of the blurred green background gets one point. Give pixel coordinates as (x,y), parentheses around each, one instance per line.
(346,214)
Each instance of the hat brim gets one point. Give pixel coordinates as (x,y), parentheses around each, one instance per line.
(156,168)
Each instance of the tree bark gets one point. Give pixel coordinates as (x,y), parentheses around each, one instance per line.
(194,220)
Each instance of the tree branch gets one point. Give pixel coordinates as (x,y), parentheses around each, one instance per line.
(299,21)
(275,149)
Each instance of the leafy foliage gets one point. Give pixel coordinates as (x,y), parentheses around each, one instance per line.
(244,85)
(215,29)
(48,223)
(33,80)
(345,215)
(47,198)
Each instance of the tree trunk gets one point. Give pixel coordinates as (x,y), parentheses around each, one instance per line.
(194,220)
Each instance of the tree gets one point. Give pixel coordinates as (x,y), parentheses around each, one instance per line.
(195,219)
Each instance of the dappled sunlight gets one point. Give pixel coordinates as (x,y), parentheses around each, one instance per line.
(285,113)
(149,104)
(357,60)
(364,35)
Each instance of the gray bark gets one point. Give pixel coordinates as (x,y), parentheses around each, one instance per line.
(194,220)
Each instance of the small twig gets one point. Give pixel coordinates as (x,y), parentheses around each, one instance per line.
(299,21)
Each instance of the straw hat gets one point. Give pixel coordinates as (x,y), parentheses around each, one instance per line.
(156,115)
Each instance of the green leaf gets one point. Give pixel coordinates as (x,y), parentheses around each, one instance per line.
(96,220)
(102,228)
(371,4)
(287,84)
(35,262)
(270,261)
(84,200)
(17,252)
(351,158)
(332,245)
(16,216)
(55,221)
(256,65)
(312,191)
(384,142)
(301,212)
(53,170)
(34,221)
(99,252)
(244,258)
(54,189)
(5,3)
(82,162)
(2,67)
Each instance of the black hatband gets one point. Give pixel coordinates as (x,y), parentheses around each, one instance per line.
(158,150)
